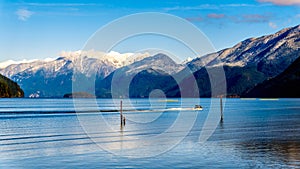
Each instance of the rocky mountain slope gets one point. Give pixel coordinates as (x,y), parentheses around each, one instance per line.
(139,78)
(271,53)
(248,63)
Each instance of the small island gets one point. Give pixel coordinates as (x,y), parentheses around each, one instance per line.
(79,95)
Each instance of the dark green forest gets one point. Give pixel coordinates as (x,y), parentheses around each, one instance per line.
(8,88)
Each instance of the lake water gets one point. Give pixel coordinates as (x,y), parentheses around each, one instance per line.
(40,133)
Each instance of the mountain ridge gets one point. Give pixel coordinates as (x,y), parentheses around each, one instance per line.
(129,81)
(245,65)
(250,62)
(253,50)
(37,77)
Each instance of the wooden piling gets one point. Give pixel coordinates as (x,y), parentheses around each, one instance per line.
(121,113)
(221,109)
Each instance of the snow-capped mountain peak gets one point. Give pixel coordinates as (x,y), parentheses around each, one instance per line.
(115,58)
(88,60)
(36,74)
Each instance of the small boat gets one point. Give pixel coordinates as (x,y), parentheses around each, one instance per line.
(198,107)
(169,100)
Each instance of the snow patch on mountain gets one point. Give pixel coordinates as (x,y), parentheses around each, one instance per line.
(86,62)
(7,63)
(263,50)
(115,58)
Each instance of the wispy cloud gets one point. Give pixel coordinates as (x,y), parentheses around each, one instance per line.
(24,14)
(246,18)
(206,18)
(239,5)
(55,9)
(216,16)
(195,19)
(206,6)
(58,4)
(255,18)
(272,25)
(282,2)
(187,8)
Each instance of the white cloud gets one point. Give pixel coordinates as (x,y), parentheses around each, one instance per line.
(282,2)
(272,25)
(24,14)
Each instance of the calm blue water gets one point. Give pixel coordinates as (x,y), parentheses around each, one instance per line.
(40,133)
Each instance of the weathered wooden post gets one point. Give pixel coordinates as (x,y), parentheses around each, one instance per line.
(121,113)
(221,107)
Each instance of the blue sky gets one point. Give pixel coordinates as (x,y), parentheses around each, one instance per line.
(40,29)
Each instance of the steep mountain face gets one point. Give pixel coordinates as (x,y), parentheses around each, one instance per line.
(148,81)
(250,62)
(54,78)
(140,78)
(271,54)
(285,85)
(237,80)
(8,88)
